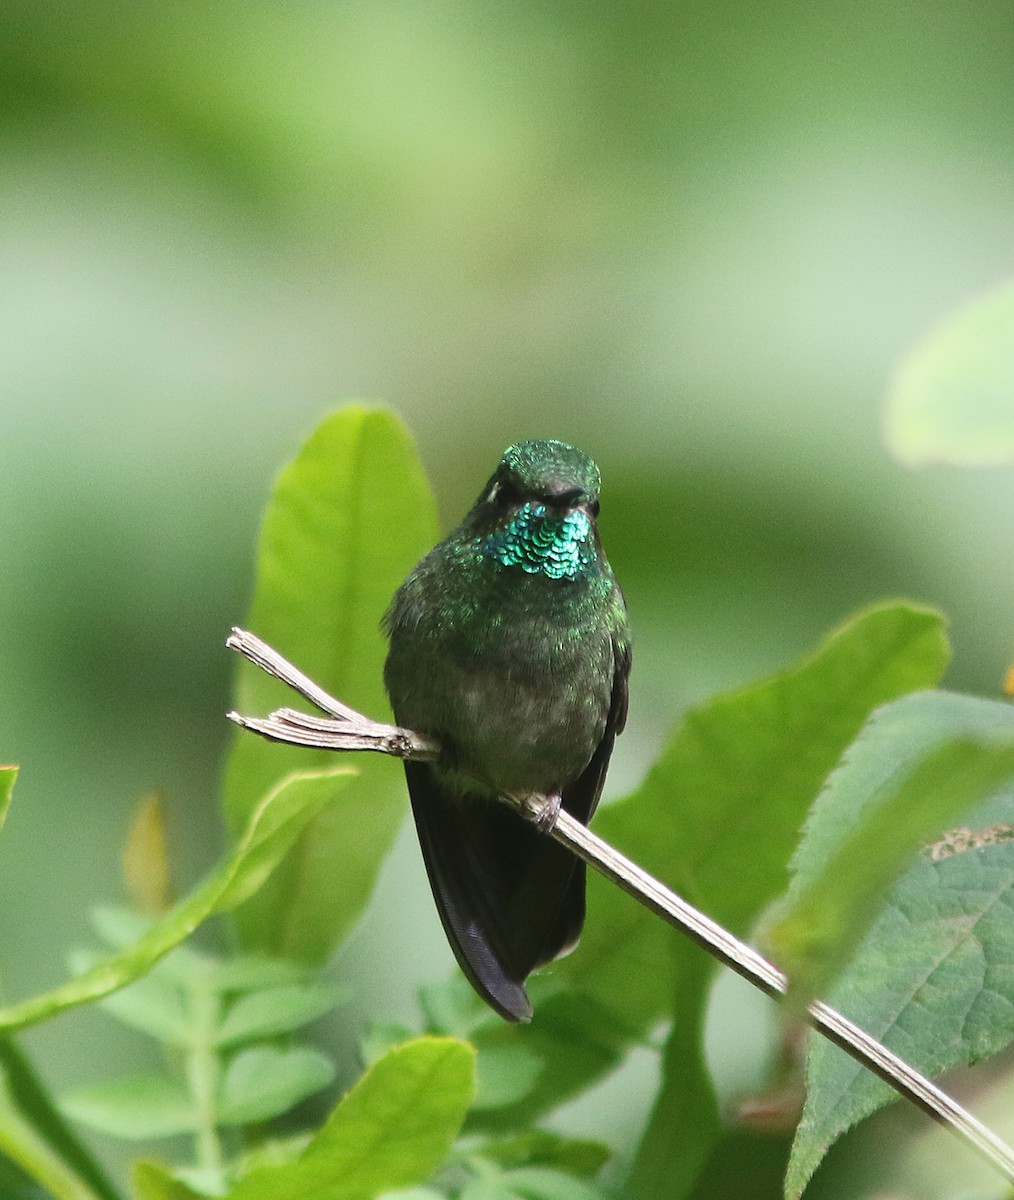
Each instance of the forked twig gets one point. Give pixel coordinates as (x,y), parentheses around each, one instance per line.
(346,729)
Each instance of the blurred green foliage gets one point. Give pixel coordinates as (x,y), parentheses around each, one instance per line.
(693,238)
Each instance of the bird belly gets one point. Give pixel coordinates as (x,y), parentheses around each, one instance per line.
(528,727)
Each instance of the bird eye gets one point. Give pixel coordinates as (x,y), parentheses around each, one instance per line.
(593,508)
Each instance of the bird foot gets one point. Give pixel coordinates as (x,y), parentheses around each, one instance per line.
(549,810)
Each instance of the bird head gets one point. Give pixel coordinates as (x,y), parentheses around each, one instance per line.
(538,510)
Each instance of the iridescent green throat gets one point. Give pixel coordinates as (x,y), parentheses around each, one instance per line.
(543,542)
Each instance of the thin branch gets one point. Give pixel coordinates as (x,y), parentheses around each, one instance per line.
(345,729)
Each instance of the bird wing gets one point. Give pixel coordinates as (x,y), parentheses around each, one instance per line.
(510,899)
(580,799)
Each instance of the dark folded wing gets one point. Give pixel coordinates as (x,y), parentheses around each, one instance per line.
(509,897)
(498,885)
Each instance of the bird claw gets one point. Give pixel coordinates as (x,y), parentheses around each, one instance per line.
(548,811)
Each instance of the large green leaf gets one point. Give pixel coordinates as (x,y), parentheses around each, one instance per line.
(348,518)
(919,764)
(392,1130)
(951,398)
(270,831)
(932,978)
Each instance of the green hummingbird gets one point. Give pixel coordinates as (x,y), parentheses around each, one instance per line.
(509,645)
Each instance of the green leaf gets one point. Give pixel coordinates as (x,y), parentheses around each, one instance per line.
(272,827)
(492,1186)
(117,926)
(382,1036)
(275,1010)
(577,1039)
(684,1122)
(917,766)
(133,1107)
(451,1006)
(347,520)
(506,1075)
(153,1004)
(266,1081)
(540,1147)
(932,979)
(252,972)
(950,400)
(8,777)
(415,1193)
(546,1183)
(391,1131)
(152,1181)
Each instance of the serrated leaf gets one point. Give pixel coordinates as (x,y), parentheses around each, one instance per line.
(273,826)
(392,1130)
(8,777)
(917,766)
(266,1081)
(348,518)
(933,979)
(275,1010)
(950,400)
(133,1107)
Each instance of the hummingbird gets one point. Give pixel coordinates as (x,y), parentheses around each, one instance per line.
(509,646)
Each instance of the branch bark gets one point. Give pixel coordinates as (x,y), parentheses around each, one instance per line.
(345,729)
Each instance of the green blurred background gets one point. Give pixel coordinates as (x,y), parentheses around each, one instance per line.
(693,237)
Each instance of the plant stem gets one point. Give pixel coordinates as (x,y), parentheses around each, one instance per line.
(203,1068)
